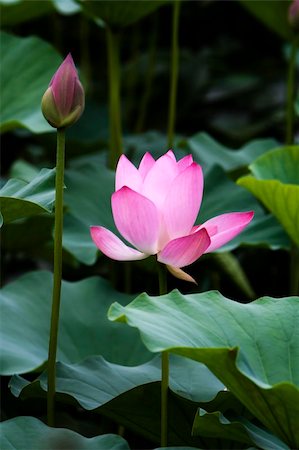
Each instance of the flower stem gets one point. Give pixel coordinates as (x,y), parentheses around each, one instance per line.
(291,94)
(59,185)
(115,141)
(174,72)
(165,368)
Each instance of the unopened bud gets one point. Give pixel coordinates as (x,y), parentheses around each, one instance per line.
(63,102)
(293,15)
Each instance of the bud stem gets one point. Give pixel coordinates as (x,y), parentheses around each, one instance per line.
(174,73)
(115,140)
(57,274)
(291,93)
(164,366)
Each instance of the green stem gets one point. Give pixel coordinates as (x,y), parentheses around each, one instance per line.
(174,72)
(115,142)
(59,185)
(149,78)
(165,367)
(291,94)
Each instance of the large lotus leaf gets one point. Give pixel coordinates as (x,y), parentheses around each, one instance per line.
(23,433)
(83,330)
(253,349)
(275,182)
(131,395)
(208,152)
(117,13)
(217,425)
(274,16)
(27,66)
(23,199)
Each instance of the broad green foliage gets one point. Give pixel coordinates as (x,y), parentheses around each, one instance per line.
(23,433)
(21,199)
(253,349)
(117,13)
(275,182)
(275,18)
(25,72)
(14,12)
(208,152)
(217,425)
(191,384)
(84,329)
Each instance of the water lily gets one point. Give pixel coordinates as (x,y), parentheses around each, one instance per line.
(154,208)
(63,102)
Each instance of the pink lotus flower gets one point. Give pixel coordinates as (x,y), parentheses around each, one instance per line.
(155,207)
(63,102)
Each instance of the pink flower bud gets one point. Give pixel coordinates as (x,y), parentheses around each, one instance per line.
(293,15)
(63,101)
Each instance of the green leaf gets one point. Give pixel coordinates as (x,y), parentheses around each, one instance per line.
(83,329)
(120,399)
(217,425)
(208,152)
(275,182)
(27,66)
(23,433)
(253,349)
(22,199)
(18,11)
(117,13)
(274,17)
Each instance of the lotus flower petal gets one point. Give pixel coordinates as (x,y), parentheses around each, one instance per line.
(185,162)
(185,250)
(136,218)
(112,246)
(225,227)
(159,178)
(146,164)
(127,175)
(181,274)
(183,201)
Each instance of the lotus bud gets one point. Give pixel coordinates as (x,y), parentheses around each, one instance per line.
(293,15)
(63,102)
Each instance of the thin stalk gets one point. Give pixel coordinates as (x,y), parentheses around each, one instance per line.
(152,55)
(58,228)
(165,368)
(115,141)
(174,72)
(291,93)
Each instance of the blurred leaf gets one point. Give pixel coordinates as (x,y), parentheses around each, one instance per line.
(117,13)
(207,152)
(27,67)
(23,170)
(19,11)
(274,15)
(23,433)
(67,7)
(217,425)
(84,328)
(252,349)
(21,199)
(275,182)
